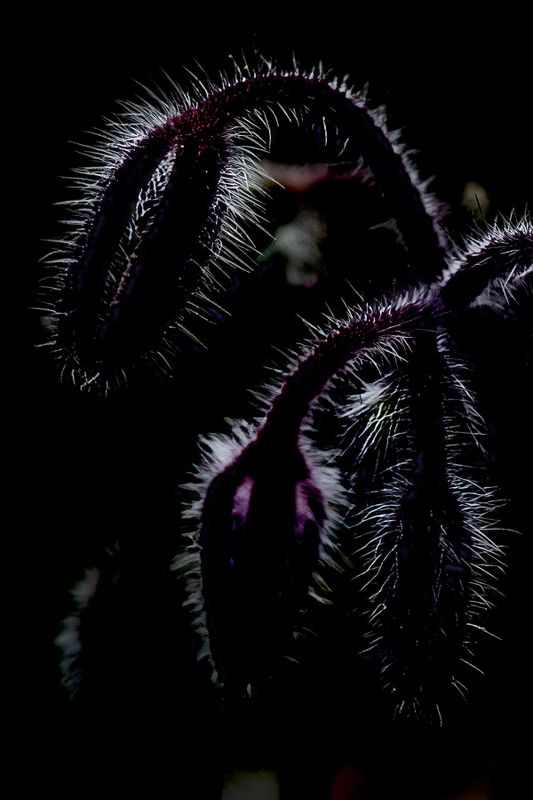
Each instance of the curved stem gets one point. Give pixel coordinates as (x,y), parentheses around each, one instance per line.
(331,355)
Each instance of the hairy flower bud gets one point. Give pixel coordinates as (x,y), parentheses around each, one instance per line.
(174,201)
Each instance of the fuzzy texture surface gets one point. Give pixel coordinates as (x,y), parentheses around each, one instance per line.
(168,208)
(362,495)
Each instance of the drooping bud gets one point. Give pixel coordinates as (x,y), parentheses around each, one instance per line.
(262,540)
(172,203)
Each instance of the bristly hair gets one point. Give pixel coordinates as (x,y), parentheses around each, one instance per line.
(127,290)
(425,514)
(414,439)
(368,463)
(427,543)
(218,452)
(234,467)
(492,263)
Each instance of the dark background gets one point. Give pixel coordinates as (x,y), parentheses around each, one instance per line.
(460,91)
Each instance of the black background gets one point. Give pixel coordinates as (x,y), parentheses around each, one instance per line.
(460,91)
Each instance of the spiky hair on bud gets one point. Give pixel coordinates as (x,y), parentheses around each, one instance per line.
(261,551)
(424,514)
(427,521)
(172,201)
(369,465)
(491,265)
(425,524)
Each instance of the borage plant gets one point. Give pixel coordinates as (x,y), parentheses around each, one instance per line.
(366,492)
